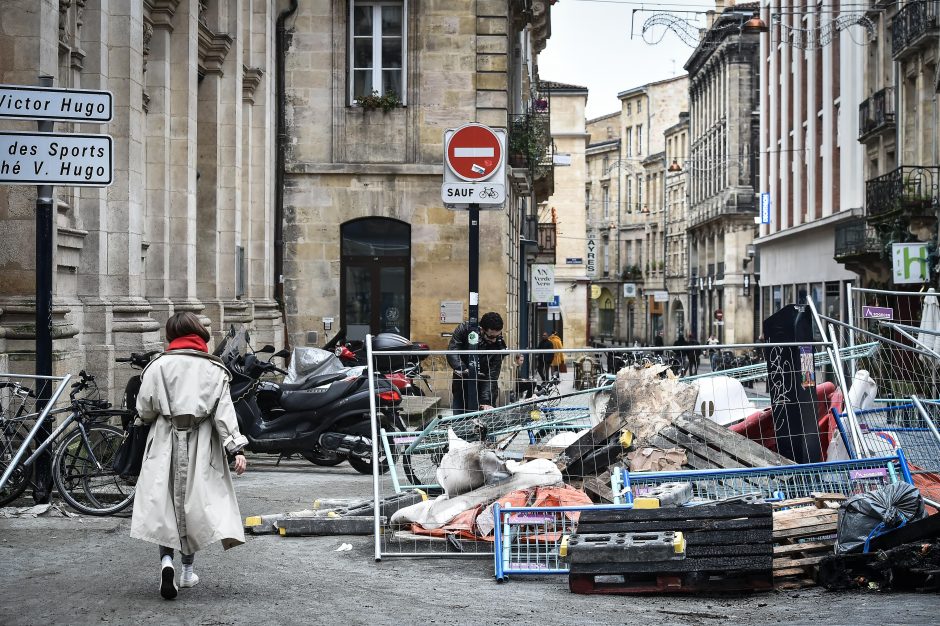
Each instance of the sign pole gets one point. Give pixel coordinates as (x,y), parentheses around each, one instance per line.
(42,485)
(472,399)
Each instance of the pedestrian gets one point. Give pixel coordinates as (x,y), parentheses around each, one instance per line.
(658,343)
(464,337)
(558,359)
(713,352)
(694,355)
(544,360)
(185,499)
(683,354)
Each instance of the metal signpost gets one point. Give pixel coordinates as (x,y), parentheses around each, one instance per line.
(45,159)
(474,176)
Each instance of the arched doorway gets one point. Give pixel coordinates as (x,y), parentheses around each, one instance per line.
(375,284)
(678,319)
(605,311)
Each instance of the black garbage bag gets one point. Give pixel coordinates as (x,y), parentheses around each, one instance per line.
(868,515)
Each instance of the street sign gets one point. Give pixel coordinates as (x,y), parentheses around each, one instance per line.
(49,103)
(474,152)
(574,260)
(56,159)
(479,193)
(660,296)
(591,266)
(910,263)
(543,283)
(877,312)
(765,207)
(629,290)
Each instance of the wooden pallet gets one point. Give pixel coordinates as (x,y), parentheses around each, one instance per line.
(711,446)
(697,582)
(804,534)
(728,548)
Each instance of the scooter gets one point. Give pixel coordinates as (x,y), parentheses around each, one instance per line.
(323,416)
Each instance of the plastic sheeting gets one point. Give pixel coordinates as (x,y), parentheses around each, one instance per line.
(868,515)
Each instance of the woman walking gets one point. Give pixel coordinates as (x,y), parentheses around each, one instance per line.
(185,499)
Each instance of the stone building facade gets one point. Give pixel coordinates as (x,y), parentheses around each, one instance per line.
(811,163)
(369,245)
(900,87)
(187,223)
(676,221)
(722,165)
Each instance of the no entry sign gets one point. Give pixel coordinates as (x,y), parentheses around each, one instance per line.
(474,152)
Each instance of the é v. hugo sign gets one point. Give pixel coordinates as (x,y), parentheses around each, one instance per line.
(55,159)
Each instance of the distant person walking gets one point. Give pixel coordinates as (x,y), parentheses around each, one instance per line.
(544,361)
(558,360)
(713,352)
(683,355)
(694,356)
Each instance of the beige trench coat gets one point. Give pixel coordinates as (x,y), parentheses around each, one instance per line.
(185,498)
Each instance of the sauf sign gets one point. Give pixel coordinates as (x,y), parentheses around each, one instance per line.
(474,167)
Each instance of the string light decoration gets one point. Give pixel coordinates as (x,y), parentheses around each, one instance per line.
(821,36)
(656,26)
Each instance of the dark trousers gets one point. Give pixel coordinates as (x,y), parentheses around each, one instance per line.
(186,558)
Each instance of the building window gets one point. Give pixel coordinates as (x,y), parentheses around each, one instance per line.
(639,106)
(377,48)
(639,138)
(629,141)
(587,198)
(606,315)
(629,108)
(606,202)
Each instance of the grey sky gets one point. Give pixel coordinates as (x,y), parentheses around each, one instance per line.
(590,46)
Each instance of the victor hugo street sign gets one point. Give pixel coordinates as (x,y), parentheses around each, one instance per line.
(55,159)
(50,103)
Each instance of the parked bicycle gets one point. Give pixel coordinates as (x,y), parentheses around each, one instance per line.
(84,446)
(16,417)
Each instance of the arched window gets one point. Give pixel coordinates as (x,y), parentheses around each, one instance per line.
(375,288)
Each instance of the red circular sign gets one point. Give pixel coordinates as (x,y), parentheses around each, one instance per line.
(473,152)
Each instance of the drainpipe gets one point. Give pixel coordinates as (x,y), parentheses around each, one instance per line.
(280,46)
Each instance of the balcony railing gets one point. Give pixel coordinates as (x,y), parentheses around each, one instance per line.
(855,239)
(547,240)
(876,113)
(914,23)
(913,190)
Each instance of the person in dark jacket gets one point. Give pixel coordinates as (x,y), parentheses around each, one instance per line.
(490,337)
(683,355)
(544,361)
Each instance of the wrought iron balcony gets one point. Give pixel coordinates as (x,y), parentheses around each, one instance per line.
(547,241)
(855,241)
(876,113)
(915,24)
(908,190)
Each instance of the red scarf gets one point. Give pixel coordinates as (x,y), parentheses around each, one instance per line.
(188,342)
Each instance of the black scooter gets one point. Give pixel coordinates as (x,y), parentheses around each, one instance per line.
(323,416)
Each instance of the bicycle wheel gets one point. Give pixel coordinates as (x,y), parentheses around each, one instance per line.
(10,442)
(83,473)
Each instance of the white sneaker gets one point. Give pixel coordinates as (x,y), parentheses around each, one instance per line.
(188,578)
(168,587)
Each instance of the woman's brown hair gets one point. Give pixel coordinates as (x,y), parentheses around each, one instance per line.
(185,323)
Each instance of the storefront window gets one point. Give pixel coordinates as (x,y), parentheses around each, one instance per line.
(833,305)
(777,299)
(787,295)
(816,291)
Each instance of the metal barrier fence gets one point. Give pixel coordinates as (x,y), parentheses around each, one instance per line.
(532,435)
(776,483)
(20,422)
(528,540)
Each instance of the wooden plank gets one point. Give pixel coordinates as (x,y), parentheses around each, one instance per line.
(750,549)
(792,504)
(731,510)
(594,438)
(810,560)
(540,451)
(705,456)
(710,564)
(740,447)
(807,531)
(598,487)
(683,525)
(810,519)
(783,572)
(808,546)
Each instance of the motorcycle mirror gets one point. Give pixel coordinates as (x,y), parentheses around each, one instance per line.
(284,354)
(267,349)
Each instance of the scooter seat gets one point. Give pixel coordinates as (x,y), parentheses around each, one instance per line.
(313,381)
(315,397)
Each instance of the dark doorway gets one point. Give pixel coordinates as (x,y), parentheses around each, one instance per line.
(375,288)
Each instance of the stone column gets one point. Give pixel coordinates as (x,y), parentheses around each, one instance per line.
(183,233)
(217,154)
(158,28)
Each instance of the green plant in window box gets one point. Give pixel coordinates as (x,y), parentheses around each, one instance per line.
(528,141)
(374,101)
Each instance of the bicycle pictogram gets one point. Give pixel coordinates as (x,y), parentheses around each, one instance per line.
(489,192)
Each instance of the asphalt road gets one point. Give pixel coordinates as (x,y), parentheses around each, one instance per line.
(89,571)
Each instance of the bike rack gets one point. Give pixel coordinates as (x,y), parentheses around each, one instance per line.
(43,415)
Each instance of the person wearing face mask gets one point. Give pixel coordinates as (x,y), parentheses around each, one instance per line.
(489,336)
